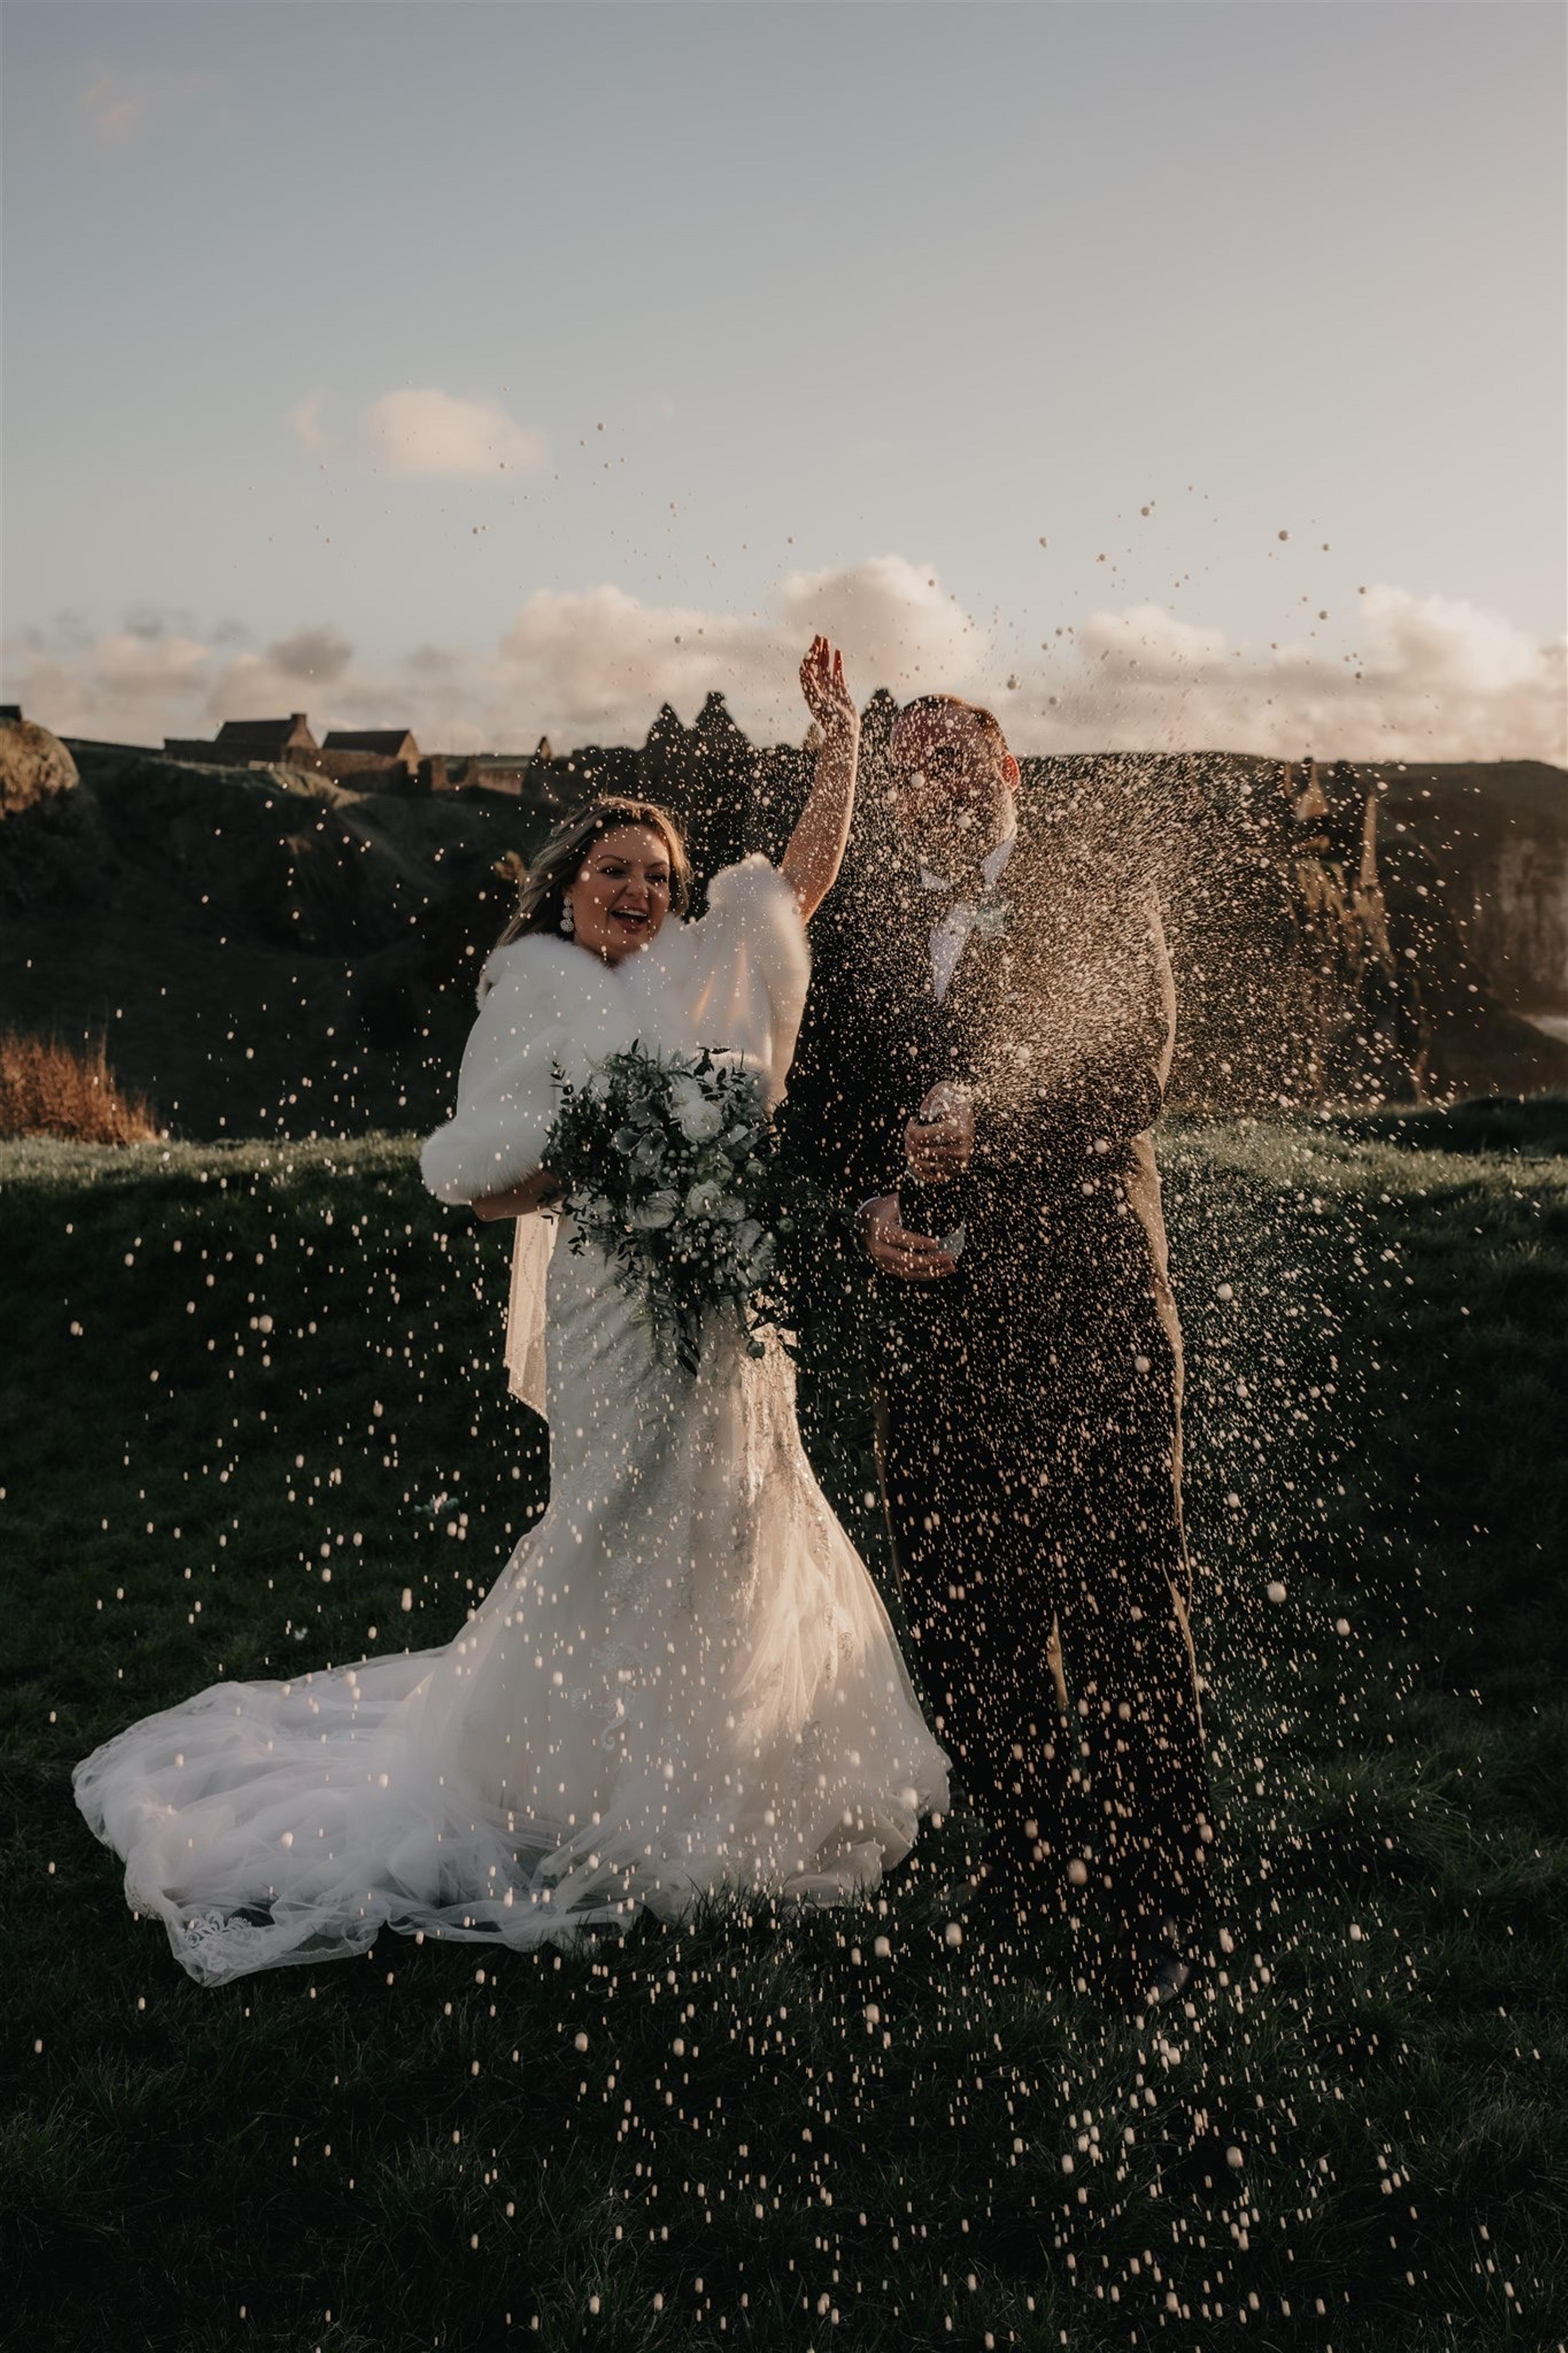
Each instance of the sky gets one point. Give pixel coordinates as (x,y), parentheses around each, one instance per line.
(1166,376)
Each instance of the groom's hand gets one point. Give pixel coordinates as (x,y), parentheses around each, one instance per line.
(939,1142)
(893,1247)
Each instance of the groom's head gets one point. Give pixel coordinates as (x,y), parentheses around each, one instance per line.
(953,779)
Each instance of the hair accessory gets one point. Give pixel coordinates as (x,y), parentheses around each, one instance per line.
(568,921)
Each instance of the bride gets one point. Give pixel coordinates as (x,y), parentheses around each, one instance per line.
(683,1683)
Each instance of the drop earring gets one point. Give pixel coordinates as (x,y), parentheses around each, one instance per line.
(568,921)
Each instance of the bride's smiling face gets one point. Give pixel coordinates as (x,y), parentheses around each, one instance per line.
(621,895)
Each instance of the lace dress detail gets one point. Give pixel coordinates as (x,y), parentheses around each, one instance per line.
(683,1682)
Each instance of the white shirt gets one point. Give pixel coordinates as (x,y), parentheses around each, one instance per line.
(951,936)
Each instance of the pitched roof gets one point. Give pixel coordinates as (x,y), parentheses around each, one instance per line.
(390,740)
(263,735)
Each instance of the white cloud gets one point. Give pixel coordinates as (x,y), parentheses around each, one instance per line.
(147,680)
(898,626)
(1419,679)
(116,103)
(314,670)
(305,420)
(122,686)
(581,661)
(320,653)
(1146,638)
(590,665)
(598,662)
(435,432)
(1426,678)
(144,670)
(1450,644)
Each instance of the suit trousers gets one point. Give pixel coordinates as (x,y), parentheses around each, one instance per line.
(1030,1478)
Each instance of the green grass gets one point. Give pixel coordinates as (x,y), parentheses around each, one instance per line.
(1359,2139)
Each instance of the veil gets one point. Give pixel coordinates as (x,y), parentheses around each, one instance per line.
(531,1255)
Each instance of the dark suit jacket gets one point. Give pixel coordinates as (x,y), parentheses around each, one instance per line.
(1063,1024)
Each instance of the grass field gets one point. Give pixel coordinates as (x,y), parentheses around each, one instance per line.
(251,1420)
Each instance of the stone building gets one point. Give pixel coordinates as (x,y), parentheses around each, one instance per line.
(383,743)
(369,759)
(521,776)
(242,742)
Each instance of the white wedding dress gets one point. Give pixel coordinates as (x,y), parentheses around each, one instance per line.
(682,1683)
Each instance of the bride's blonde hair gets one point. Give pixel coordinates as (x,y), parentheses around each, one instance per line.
(559,861)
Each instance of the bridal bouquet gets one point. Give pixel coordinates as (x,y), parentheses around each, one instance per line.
(667,1165)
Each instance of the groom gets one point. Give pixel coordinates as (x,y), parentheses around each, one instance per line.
(1001,1035)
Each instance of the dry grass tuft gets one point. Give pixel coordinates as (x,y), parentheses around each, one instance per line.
(51,1088)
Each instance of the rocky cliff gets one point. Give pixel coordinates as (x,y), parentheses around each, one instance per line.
(266,951)
(1497,836)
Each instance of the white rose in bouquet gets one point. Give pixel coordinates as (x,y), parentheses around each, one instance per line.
(696,1115)
(659,1210)
(664,1165)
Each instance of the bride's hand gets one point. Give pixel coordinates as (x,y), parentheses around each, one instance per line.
(827,698)
(814,851)
(531,1195)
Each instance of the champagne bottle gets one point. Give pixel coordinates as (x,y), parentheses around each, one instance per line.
(943,1211)
(940,1210)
